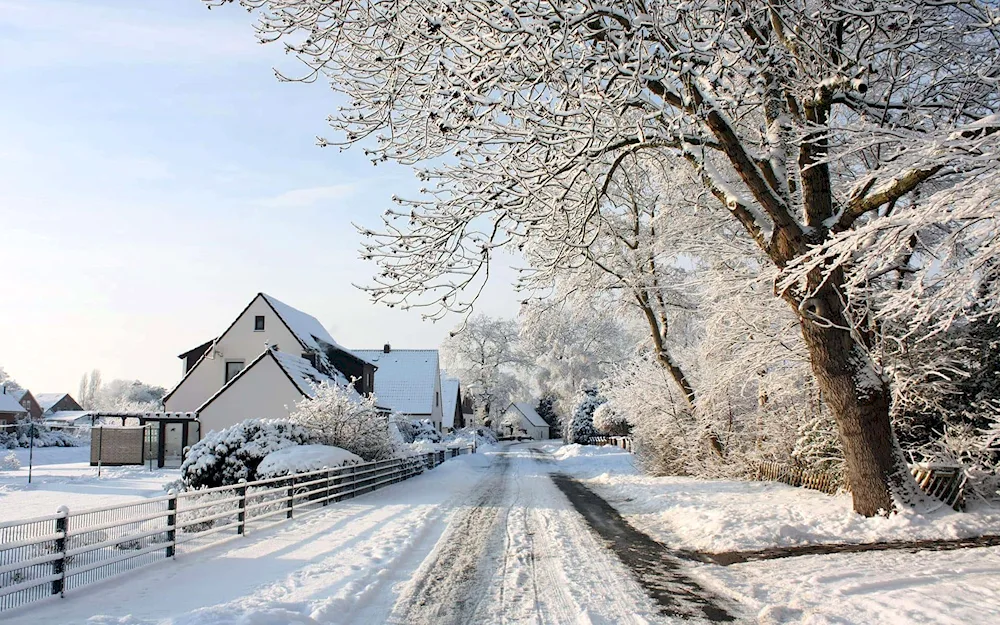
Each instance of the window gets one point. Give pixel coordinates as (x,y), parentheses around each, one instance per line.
(232,368)
(437,398)
(258,323)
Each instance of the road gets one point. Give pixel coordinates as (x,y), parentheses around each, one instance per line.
(488,538)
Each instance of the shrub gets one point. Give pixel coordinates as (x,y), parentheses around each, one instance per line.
(611,422)
(581,426)
(341,418)
(224,458)
(10,462)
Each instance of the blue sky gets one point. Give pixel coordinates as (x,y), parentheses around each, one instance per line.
(154,176)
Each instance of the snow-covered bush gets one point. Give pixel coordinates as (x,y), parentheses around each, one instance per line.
(10,462)
(341,418)
(479,436)
(610,421)
(303,459)
(233,454)
(45,436)
(413,430)
(581,425)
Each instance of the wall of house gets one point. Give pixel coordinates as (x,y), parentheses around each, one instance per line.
(240,342)
(263,392)
(437,412)
(66,403)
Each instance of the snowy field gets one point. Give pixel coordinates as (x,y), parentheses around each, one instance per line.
(62,476)
(721,515)
(489,538)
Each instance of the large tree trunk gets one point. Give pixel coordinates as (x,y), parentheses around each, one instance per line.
(859,400)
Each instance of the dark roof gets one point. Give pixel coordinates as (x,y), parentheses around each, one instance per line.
(198,351)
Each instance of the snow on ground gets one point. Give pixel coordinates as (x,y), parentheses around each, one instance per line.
(725,515)
(483,538)
(62,476)
(886,587)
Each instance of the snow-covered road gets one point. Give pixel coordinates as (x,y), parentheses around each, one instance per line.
(486,538)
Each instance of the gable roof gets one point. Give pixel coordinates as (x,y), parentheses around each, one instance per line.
(18,394)
(529,413)
(200,350)
(406,378)
(8,403)
(47,400)
(299,371)
(449,401)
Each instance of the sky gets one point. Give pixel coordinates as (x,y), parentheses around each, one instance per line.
(155,176)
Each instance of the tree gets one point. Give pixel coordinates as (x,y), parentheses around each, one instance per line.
(483,354)
(805,120)
(90,386)
(568,339)
(10,384)
(546,410)
(119,395)
(339,417)
(581,425)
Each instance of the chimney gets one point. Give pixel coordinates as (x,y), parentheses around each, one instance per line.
(386,349)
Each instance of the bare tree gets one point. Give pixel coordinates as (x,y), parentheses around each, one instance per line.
(484,355)
(804,118)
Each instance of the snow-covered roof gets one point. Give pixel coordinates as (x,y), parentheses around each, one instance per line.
(449,401)
(9,404)
(47,400)
(305,375)
(529,413)
(406,378)
(304,326)
(18,394)
(69,416)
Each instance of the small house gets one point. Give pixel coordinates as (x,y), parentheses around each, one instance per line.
(28,402)
(520,419)
(407,381)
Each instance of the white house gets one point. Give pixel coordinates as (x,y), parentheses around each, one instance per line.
(451,404)
(261,365)
(408,381)
(521,419)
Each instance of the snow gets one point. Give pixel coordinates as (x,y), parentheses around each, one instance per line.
(725,515)
(406,379)
(47,400)
(305,327)
(304,458)
(62,476)
(488,538)
(9,404)
(529,413)
(306,376)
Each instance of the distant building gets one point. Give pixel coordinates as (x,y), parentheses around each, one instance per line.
(451,405)
(10,410)
(57,402)
(29,403)
(408,381)
(528,422)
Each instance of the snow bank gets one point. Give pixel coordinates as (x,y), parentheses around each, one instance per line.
(304,458)
(728,515)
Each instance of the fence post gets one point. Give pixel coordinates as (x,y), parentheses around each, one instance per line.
(291,497)
(241,517)
(172,524)
(326,495)
(59,566)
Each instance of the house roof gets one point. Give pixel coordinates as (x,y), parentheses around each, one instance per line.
(8,403)
(529,413)
(406,378)
(200,350)
(68,416)
(18,394)
(449,400)
(47,400)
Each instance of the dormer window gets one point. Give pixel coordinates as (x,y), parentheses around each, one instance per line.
(258,323)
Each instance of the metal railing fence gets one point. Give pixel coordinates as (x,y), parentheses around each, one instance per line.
(51,555)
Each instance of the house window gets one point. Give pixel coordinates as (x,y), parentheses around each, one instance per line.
(232,368)
(437,398)
(258,323)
